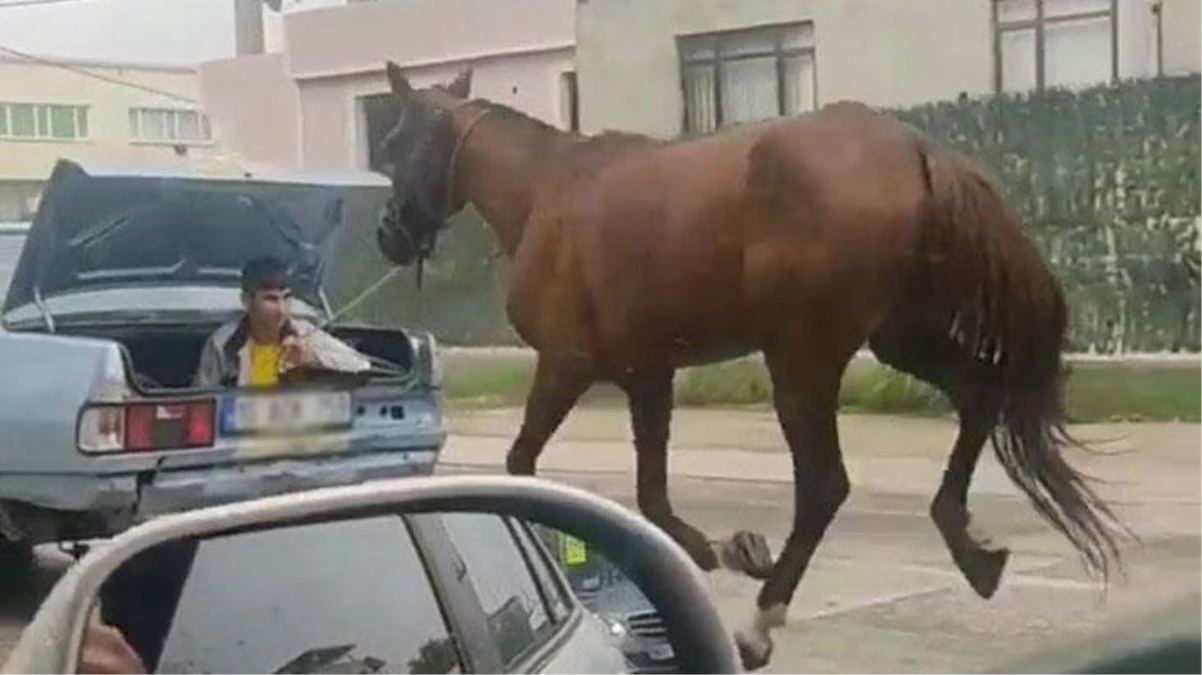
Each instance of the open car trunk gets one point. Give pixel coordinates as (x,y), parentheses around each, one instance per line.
(166,357)
(153,259)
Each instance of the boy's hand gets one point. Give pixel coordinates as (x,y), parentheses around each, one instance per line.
(294,353)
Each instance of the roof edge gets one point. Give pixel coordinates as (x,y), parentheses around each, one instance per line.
(46,61)
(237,173)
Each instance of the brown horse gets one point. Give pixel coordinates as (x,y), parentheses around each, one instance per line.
(802,238)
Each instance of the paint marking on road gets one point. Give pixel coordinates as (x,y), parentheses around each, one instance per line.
(1028,577)
(879,600)
(467,467)
(1057,583)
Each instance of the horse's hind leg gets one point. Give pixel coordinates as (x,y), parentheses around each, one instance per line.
(942,363)
(980,561)
(805,385)
(558,384)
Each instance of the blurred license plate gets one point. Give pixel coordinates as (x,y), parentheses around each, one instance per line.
(660,652)
(286,412)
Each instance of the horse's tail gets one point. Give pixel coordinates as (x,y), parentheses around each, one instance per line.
(1005,307)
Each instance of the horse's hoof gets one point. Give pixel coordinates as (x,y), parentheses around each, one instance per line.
(983,569)
(753,653)
(519,466)
(748,552)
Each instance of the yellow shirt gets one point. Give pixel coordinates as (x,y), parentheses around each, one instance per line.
(264,364)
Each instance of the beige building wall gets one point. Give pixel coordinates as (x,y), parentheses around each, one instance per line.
(302,108)
(333,56)
(518,49)
(882,52)
(1182,30)
(353,39)
(108,139)
(333,134)
(255,105)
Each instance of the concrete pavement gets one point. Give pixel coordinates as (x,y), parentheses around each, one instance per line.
(883,454)
(882,594)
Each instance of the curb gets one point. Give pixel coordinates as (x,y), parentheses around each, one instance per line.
(500,468)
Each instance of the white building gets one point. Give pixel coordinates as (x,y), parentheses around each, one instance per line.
(318,103)
(664,67)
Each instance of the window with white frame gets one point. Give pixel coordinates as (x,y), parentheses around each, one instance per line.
(49,121)
(735,77)
(169,125)
(1041,44)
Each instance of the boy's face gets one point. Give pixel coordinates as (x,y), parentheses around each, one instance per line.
(267,309)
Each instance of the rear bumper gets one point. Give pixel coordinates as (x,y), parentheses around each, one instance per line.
(172,491)
(104,505)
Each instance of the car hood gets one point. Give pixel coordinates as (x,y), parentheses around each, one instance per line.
(101,229)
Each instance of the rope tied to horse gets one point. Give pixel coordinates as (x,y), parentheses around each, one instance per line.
(358,299)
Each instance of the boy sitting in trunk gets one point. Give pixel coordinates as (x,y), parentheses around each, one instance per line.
(254,350)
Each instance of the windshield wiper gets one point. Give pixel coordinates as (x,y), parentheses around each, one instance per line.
(100,231)
(329,660)
(279,220)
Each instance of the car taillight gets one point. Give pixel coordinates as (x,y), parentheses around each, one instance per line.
(146,427)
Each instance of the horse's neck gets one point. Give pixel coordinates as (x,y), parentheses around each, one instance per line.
(504,201)
(502,173)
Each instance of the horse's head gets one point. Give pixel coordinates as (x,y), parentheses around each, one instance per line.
(420,153)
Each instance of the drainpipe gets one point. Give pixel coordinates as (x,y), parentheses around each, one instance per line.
(248,27)
(1158,19)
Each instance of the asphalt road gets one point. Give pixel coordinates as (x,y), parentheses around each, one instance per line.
(882,594)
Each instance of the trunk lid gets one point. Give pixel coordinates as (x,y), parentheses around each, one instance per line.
(98,229)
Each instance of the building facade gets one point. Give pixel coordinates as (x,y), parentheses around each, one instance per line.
(322,102)
(667,67)
(702,64)
(99,113)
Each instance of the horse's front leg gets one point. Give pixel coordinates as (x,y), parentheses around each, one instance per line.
(650,396)
(558,384)
(805,392)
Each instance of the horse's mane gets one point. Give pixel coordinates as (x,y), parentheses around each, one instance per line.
(544,135)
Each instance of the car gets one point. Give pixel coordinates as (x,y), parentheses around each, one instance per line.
(429,574)
(473,590)
(121,278)
(600,586)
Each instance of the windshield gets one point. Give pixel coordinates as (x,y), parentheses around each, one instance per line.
(587,571)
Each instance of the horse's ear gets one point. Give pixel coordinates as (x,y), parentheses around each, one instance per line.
(397,80)
(462,86)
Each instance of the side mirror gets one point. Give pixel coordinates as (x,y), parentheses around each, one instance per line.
(432,575)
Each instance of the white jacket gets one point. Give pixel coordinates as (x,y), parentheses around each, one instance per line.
(224,360)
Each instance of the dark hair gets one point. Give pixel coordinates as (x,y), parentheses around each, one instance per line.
(264,273)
